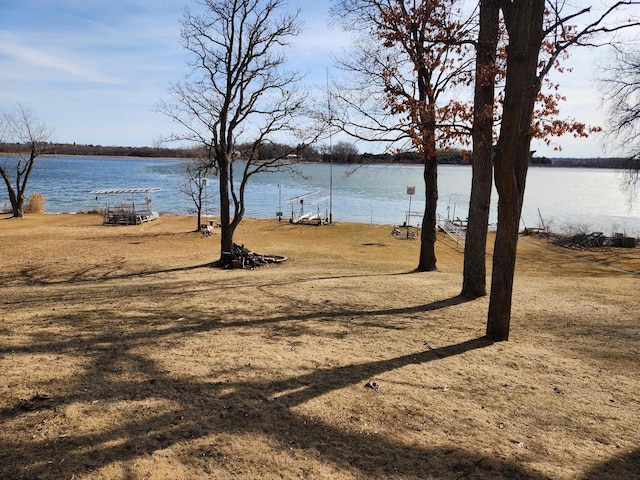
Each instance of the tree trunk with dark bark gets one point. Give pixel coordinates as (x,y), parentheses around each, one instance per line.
(474,283)
(523,19)
(227,226)
(17,207)
(427,262)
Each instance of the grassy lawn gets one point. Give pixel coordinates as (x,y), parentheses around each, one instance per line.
(124,355)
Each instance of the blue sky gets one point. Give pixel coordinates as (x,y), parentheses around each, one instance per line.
(94,70)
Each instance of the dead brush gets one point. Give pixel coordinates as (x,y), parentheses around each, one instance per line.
(35,204)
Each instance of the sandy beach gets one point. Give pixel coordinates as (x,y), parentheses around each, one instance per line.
(124,355)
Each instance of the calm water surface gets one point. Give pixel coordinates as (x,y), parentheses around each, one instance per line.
(589,199)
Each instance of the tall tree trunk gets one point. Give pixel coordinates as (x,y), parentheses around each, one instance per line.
(16,197)
(18,207)
(523,19)
(13,199)
(474,283)
(227,228)
(427,261)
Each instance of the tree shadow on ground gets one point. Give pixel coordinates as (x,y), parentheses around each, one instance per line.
(112,269)
(98,272)
(621,467)
(197,322)
(200,409)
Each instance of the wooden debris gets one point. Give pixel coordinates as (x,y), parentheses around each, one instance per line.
(594,240)
(243,258)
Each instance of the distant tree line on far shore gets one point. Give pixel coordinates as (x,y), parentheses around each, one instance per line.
(341,152)
(597,162)
(103,151)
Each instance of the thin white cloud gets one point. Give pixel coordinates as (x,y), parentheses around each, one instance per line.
(11,47)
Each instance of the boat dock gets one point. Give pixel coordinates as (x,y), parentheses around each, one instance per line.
(456,229)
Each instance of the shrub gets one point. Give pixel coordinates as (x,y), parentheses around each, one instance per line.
(35,204)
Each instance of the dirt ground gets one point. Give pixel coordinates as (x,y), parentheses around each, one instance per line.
(124,355)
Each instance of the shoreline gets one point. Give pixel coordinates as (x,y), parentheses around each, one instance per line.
(568,198)
(524,232)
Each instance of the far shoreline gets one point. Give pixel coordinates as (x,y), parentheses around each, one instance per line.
(613,163)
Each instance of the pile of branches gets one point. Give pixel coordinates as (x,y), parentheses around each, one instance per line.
(585,240)
(594,240)
(243,258)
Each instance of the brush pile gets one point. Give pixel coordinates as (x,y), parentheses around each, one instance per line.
(245,259)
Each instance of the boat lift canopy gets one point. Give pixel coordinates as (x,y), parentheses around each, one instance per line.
(316,199)
(108,191)
(127,213)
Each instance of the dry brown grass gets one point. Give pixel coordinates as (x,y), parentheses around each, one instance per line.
(124,356)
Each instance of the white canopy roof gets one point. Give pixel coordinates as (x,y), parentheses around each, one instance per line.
(125,190)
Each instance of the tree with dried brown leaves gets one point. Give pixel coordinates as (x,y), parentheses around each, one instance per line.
(526,67)
(406,74)
(491,57)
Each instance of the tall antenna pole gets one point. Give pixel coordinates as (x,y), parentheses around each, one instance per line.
(330,150)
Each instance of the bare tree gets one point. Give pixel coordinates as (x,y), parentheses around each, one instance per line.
(196,173)
(405,70)
(620,87)
(21,127)
(238,91)
(491,55)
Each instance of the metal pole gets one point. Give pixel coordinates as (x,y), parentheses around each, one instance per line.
(330,151)
(331,190)
(205,182)
(279,202)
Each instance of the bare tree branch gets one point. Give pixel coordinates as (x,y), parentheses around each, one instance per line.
(620,88)
(21,127)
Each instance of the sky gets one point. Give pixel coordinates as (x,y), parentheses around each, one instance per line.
(94,71)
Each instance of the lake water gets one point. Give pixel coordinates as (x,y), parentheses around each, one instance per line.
(589,199)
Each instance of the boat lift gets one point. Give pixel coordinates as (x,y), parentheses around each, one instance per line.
(453,226)
(127,213)
(316,199)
